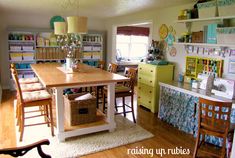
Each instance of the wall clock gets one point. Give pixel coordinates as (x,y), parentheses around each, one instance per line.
(163,31)
(56,19)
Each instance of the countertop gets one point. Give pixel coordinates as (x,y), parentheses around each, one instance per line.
(187,88)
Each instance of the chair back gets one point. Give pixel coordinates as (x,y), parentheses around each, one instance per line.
(214,116)
(112,68)
(131,73)
(16,80)
(101,64)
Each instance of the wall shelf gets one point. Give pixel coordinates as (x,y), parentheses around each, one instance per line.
(205,19)
(205,44)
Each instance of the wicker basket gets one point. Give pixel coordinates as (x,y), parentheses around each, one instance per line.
(207,9)
(226,35)
(80,111)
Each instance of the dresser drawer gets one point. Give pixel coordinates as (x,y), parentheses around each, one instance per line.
(146,96)
(147,70)
(147,80)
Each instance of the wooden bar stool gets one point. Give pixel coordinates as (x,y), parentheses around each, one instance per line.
(213,119)
(124,90)
(39,98)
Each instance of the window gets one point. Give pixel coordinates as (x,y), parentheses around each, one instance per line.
(131,47)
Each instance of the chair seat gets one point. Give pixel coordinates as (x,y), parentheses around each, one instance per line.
(31,87)
(120,89)
(28,80)
(35,96)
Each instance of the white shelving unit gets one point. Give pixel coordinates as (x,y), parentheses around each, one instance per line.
(205,19)
(205,44)
(21,50)
(189,22)
(92,48)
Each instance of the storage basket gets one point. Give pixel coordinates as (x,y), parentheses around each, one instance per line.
(226,35)
(226,7)
(79,111)
(207,9)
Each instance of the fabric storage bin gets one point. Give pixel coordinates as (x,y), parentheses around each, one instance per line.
(28,56)
(226,7)
(28,75)
(16,56)
(226,35)
(79,111)
(207,9)
(27,48)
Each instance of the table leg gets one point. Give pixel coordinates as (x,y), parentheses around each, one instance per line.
(59,112)
(110,106)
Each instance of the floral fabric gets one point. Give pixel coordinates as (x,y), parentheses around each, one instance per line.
(181,110)
(35,95)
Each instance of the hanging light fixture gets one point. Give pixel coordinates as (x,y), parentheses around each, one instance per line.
(68,36)
(75,24)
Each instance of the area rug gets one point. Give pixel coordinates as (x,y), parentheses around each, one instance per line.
(125,133)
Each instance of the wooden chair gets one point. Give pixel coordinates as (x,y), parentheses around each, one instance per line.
(213,119)
(27,84)
(101,64)
(25,80)
(33,99)
(112,68)
(124,90)
(20,151)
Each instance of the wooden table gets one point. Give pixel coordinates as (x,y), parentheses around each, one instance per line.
(52,76)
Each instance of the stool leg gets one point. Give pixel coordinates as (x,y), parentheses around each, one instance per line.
(196,145)
(22,123)
(103,102)
(123,106)
(97,97)
(132,108)
(51,119)
(116,104)
(46,116)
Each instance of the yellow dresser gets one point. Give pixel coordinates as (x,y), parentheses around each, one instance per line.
(148,88)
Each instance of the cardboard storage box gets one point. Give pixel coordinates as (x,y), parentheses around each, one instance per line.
(197,37)
(79,111)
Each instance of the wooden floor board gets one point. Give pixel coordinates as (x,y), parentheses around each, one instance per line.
(165,135)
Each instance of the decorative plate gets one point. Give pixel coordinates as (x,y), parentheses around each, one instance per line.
(173,51)
(56,19)
(163,31)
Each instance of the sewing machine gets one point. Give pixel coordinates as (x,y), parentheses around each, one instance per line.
(206,81)
(224,88)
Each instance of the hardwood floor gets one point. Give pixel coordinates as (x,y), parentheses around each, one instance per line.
(165,136)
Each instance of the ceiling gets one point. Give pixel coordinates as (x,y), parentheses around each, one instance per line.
(90,8)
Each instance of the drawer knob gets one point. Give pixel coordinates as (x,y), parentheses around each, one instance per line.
(139,97)
(150,91)
(149,101)
(139,88)
(151,71)
(140,78)
(140,68)
(150,81)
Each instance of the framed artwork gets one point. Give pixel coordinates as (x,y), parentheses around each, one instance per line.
(231,66)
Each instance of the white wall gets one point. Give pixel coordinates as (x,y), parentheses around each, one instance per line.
(166,16)
(27,21)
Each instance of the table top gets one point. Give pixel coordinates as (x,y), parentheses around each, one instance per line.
(50,75)
(187,88)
